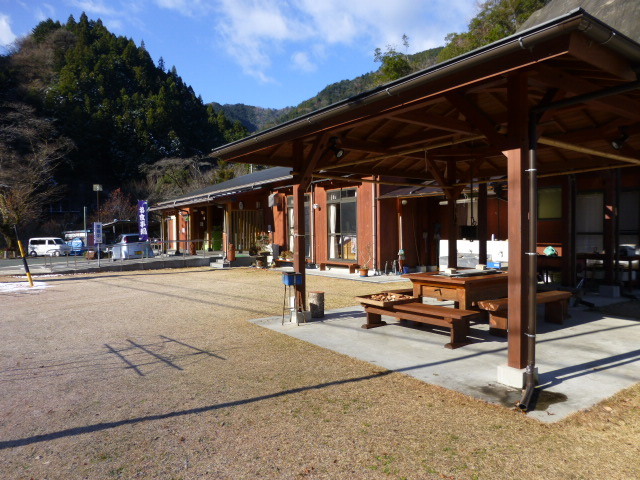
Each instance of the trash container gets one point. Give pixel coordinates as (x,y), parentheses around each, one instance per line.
(316,304)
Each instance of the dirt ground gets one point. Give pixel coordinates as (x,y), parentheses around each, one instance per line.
(159,375)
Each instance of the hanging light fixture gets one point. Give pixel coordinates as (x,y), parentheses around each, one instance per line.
(618,143)
(337,151)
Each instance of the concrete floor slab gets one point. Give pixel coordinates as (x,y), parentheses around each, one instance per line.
(588,359)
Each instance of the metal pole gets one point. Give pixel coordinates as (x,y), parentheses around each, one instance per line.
(530,380)
(24,257)
(86,235)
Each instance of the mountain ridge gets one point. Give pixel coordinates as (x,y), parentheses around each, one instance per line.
(256,118)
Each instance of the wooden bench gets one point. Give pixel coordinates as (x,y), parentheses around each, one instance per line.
(556,304)
(452,318)
(352,266)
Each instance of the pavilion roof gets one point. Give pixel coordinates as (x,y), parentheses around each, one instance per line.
(458,113)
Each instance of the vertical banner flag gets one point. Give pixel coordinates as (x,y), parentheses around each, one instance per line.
(97,233)
(143,220)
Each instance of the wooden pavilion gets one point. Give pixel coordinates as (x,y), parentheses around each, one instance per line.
(557,99)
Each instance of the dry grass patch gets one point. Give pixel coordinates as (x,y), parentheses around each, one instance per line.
(160,375)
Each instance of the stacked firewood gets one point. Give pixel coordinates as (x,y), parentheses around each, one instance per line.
(389,297)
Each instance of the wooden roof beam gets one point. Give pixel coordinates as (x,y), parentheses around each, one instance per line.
(421,138)
(600,57)
(587,151)
(420,175)
(368,180)
(619,105)
(442,144)
(434,121)
(476,117)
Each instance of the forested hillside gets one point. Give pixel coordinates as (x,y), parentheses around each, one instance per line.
(94,108)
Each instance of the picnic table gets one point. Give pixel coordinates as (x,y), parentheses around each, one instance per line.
(401,305)
(465,290)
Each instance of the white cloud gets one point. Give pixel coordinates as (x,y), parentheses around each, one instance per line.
(94,7)
(47,11)
(251,31)
(7,36)
(254,31)
(189,8)
(381,22)
(114,25)
(302,62)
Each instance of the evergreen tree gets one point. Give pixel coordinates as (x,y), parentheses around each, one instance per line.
(495,20)
(394,64)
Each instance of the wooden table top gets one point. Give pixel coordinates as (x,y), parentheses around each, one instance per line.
(437,277)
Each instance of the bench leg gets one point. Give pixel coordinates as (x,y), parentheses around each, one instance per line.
(459,332)
(556,312)
(323,266)
(498,322)
(374,320)
(352,269)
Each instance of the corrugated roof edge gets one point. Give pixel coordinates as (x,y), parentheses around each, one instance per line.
(577,19)
(235,185)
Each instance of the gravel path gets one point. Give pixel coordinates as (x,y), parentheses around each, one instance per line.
(159,375)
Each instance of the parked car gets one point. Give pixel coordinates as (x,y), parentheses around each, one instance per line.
(129,245)
(53,246)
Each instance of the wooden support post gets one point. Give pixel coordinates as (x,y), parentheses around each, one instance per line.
(209,227)
(400,226)
(303,174)
(482,223)
(452,230)
(569,268)
(177,231)
(610,226)
(299,261)
(518,210)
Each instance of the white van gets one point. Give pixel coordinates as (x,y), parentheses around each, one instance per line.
(53,246)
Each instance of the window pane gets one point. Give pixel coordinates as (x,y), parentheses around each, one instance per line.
(589,213)
(589,243)
(333,218)
(333,195)
(348,218)
(349,248)
(349,193)
(549,203)
(628,219)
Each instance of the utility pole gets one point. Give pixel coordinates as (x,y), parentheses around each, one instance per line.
(97,188)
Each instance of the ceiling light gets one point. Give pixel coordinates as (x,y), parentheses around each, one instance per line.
(337,151)
(619,142)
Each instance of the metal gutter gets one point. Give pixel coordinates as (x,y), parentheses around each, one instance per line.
(576,20)
(216,193)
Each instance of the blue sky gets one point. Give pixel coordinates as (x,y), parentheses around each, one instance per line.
(267,53)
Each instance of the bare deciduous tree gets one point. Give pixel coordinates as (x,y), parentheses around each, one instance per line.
(30,151)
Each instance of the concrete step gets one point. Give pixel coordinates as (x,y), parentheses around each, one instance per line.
(220,264)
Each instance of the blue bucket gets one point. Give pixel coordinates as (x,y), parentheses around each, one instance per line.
(290,278)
